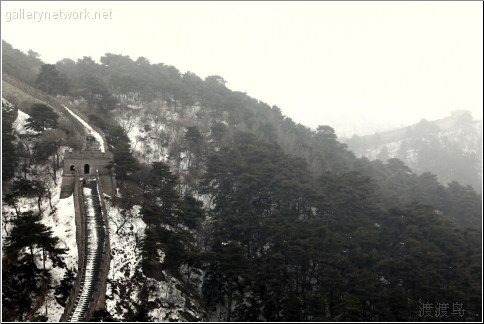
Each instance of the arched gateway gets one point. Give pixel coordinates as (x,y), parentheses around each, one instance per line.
(87,164)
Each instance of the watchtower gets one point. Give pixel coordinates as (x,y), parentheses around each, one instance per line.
(86,164)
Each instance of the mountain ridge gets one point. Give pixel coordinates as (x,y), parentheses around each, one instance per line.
(456,139)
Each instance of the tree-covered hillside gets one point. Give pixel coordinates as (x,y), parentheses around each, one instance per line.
(39,248)
(24,66)
(451,148)
(262,219)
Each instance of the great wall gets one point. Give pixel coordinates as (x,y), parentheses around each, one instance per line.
(88,178)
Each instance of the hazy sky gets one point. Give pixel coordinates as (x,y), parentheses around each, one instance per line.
(357,66)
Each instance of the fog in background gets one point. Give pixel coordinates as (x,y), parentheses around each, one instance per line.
(360,67)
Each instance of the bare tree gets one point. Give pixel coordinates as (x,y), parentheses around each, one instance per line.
(129,198)
(25,153)
(49,186)
(50,144)
(52,174)
(6,220)
(128,121)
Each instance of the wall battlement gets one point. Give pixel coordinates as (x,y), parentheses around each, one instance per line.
(85,164)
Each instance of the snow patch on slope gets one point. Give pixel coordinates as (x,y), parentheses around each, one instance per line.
(125,261)
(19,124)
(62,222)
(126,281)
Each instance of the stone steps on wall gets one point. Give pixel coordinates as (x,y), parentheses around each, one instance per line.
(93,274)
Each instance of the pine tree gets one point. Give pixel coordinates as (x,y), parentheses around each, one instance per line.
(41,118)
(28,232)
(50,80)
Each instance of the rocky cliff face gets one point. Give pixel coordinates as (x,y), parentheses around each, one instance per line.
(451,148)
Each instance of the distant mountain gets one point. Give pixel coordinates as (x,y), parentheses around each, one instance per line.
(451,148)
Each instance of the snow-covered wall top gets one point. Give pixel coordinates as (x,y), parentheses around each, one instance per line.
(90,130)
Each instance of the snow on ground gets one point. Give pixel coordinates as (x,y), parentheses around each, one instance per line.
(91,131)
(64,226)
(147,145)
(19,124)
(8,106)
(206,199)
(465,139)
(61,219)
(164,127)
(125,261)
(125,279)
(173,305)
(92,250)
(150,135)
(62,222)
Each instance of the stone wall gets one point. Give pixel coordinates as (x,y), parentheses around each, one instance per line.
(81,248)
(58,106)
(106,259)
(98,298)
(109,184)
(84,118)
(97,162)
(95,159)
(67,186)
(77,129)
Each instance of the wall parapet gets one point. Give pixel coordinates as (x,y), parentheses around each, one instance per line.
(57,105)
(81,248)
(76,126)
(106,257)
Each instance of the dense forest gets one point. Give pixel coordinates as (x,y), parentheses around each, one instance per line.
(280,222)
